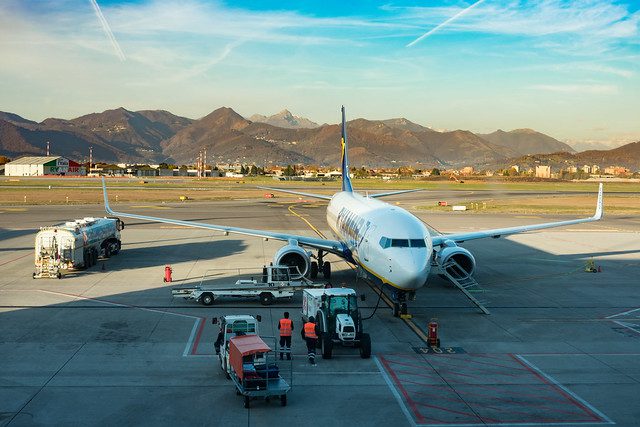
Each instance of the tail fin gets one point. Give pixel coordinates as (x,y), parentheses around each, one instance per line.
(346,180)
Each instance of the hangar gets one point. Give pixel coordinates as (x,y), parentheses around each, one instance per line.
(43,165)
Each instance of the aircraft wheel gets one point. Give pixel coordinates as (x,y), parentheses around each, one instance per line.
(326,270)
(313,274)
(396,309)
(283,400)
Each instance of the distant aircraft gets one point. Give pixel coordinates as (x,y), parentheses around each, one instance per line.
(388,244)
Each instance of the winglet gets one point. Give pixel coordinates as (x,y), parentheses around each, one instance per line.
(599,205)
(106,198)
(346,179)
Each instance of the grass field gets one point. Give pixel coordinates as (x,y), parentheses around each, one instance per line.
(620,197)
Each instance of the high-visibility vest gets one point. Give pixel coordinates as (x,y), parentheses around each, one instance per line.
(310,330)
(286,325)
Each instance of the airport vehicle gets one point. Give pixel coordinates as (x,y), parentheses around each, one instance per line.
(231,326)
(337,318)
(254,370)
(389,245)
(276,282)
(75,244)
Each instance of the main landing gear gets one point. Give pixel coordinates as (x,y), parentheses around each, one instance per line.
(320,266)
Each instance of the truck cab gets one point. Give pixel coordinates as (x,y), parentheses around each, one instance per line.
(232,326)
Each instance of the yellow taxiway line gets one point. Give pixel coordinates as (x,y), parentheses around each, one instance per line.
(408,321)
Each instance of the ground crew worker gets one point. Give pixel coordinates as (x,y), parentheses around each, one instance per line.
(311,337)
(285,325)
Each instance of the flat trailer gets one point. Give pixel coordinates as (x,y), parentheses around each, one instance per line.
(254,370)
(276,282)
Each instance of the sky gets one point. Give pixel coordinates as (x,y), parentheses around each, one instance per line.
(568,68)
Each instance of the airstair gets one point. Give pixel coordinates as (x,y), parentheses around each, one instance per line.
(465,282)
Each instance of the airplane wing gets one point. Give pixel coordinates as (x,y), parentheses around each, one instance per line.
(393,193)
(332,246)
(300,193)
(325,197)
(498,232)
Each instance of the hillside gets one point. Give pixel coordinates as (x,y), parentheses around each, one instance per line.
(153,136)
(526,141)
(285,119)
(627,155)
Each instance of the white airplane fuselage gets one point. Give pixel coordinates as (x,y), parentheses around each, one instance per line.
(385,240)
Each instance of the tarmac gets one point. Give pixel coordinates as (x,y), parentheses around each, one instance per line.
(111,347)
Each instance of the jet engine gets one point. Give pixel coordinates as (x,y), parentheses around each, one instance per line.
(293,256)
(461,256)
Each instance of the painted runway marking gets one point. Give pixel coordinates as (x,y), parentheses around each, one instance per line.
(620,320)
(477,389)
(191,347)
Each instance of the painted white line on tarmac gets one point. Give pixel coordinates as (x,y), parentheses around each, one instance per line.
(395,393)
(602,416)
(194,330)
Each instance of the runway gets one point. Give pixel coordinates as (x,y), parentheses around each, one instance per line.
(111,346)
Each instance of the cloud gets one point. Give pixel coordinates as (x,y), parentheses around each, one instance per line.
(593,89)
(599,21)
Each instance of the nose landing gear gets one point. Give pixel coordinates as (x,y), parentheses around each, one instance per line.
(400,303)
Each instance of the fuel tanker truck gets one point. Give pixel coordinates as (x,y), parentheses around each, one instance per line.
(75,245)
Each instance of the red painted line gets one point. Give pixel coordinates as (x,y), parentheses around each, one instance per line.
(483,363)
(410,402)
(453,411)
(15,259)
(194,349)
(421,366)
(559,390)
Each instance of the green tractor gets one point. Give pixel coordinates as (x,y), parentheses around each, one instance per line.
(337,318)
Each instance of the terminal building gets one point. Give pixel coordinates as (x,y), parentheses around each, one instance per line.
(44,165)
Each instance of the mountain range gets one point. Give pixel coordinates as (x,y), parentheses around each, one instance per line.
(154,136)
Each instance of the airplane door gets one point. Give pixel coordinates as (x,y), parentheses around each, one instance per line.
(365,249)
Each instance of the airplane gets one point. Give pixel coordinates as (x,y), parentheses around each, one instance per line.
(388,244)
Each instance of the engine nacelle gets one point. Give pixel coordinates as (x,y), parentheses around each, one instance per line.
(293,256)
(461,256)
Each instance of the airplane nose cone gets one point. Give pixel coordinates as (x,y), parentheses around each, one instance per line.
(413,270)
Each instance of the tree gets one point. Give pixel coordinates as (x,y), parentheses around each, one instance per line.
(254,170)
(289,171)
(435,172)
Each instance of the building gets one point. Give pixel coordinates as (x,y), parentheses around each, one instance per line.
(44,165)
(543,171)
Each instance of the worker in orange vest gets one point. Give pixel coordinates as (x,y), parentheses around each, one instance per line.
(311,337)
(285,325)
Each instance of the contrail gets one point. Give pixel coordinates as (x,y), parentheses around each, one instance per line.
(453,18)
(107,31)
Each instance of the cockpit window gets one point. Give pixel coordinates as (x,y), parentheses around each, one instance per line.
(400,243)
(418,243)
(386,242)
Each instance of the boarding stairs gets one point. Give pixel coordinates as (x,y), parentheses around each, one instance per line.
(465,282)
